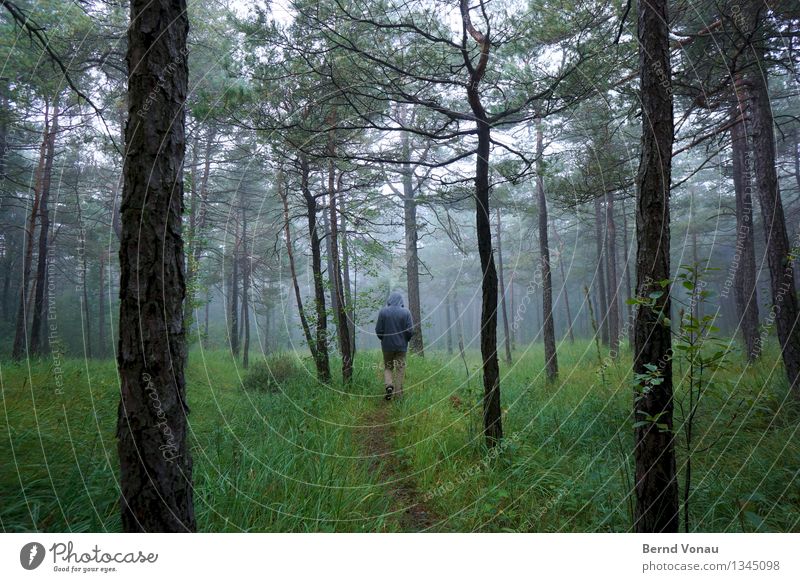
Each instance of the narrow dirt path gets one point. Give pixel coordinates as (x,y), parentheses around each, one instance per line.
(377,439)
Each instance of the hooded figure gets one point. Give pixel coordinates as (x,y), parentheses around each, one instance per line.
(394,328)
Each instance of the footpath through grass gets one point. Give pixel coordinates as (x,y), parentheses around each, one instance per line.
(289,455)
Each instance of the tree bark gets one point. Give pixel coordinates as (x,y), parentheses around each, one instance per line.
(233,300)
(21,328)
(628,285)
(602,297)
(613,278)
(416,344)
(549,328)
(246,265)
(322,360)
(293,269)
(570,323)
(492,421)
(343,328)
(654,453)
(155,463)
(507,333)
(40,306)
(101,306)
(779,251)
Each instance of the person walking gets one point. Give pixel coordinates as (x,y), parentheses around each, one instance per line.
(394,328)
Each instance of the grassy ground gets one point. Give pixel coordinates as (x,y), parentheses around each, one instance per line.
(291,457)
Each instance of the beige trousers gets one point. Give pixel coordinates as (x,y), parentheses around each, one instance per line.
(394,368)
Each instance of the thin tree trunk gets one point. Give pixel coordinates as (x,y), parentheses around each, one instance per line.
(155,463)
(234,293)
(549,329)
(322,361)
(654,452)
(628,286)
(416,344)
(43,273)
(602,297)
(570,323)
(245,292)
(101,306)
(87,325)
(448,323)
(343,329)
(492,422)
(21,328)
(613,279)
(198,214)
(312,346)
(348,292)
(503,288)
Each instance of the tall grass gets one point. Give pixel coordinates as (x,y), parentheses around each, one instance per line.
(275,451)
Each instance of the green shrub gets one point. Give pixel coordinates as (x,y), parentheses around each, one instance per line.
(272,374)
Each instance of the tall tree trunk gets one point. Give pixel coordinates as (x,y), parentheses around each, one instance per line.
(43,273)
(233,300)
(21,328)
(87,320)
(198,214)
(416,344)
(602,297)
(348,292)
(342,326)
(570,323)
(628,286)
(101,306)
(503,288)
(312,346)
(781,271)
(613,279)
(654,452)
(245,292)
(448,323)
(549,329)
(492,412)
(155,463)
(322,360)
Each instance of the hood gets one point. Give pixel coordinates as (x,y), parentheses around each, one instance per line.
(395,299)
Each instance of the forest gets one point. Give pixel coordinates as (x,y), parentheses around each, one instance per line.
(591,211)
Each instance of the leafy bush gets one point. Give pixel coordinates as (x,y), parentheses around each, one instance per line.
(272,374)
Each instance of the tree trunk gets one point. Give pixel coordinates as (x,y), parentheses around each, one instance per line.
(293,269)
(570,323)
(779,251)
(245,292)
(613,279)
(448,323)
(155,463)
(549,328)
(343,329)
(101,306)
(507,333)
(40,305)
(654,453)
(628,286)
(21,328)
(492,422)
(233,300)
(322,360)
(348,292)
(416,344)
(198,214)
(602,297)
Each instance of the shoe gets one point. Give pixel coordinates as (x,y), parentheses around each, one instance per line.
(389,392)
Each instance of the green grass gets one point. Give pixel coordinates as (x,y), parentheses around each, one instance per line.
(290,458)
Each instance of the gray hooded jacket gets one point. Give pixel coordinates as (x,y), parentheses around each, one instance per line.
(394,327)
